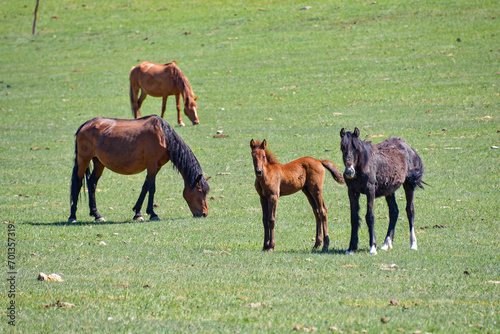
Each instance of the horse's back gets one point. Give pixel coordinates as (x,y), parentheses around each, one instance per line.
(405,158)
(125,146)
(301,172)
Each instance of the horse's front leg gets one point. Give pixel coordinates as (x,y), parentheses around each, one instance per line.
(152,190)
(163,105)
(393,218)
(410,212)
(138,205)
(178,104)
(272,202)
(354,204)
(265,222)
(370,218)
(148,186)
(92,184)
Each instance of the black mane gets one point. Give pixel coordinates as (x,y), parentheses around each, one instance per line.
(182,157)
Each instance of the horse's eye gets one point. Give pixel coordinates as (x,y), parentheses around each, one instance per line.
(264,156)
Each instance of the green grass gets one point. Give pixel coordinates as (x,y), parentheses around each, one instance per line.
(393,68)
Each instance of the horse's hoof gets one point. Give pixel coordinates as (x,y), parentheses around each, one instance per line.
(413,247)
(72,220)
(349,252)
(155,218)
(373,250)
(100,219)
(182,124)
(387,244)
(138,218)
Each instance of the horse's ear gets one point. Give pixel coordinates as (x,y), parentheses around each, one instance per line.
(342,133)
(356,132)
(198,178)
(264,144)
(207,178)
(252,143)
(196,98)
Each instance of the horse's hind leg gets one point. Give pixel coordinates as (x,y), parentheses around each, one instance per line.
(320,213)
(393,218)
(410,212)
(92,184)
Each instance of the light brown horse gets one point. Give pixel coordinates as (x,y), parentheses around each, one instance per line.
(273,179)
(129,146)
(162,80)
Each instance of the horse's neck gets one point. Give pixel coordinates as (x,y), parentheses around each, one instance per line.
(187,92)
(366,153)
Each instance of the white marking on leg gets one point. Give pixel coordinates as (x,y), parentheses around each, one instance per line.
(348,252)
(373,250)
(413,240)
(387,244)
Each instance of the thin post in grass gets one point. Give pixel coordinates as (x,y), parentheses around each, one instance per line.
(34,19)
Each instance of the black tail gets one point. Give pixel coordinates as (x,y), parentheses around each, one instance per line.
(132,98)
(76,183)
(415,178)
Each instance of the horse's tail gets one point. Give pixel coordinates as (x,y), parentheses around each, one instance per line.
(75,181)
(414,178)
(415,175)
(133,97)
(337,175)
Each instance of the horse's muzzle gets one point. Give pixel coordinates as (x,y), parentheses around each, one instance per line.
(349,172)
(259,172)
(196,122)
(199,215)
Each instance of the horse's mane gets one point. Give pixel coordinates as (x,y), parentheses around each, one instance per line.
(271,158)
(182,157)
(181,81)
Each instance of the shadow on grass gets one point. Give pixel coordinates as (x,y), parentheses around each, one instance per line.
(86,223)
(313,251)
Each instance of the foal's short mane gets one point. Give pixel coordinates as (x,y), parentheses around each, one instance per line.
(182,157)
(271,158)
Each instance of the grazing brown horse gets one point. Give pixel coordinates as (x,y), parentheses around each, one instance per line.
(162,80)
(379,170)
(273,180)
(129,146)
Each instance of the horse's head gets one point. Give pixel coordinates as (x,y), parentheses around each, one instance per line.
(196,197)
(350,145)
(191,110)
(258,156)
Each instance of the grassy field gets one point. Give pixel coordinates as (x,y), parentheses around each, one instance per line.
(427,71)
